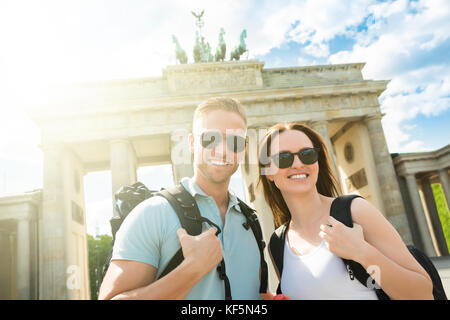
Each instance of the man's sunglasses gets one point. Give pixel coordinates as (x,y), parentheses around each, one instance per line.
(211,139)
(285,159)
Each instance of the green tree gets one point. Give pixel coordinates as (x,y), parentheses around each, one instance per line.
(443,211)
(98,253)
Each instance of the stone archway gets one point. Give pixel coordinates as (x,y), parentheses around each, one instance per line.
(121,125)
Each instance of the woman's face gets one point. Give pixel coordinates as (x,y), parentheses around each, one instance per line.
(299,177)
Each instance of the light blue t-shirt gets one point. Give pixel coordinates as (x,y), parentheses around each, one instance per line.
(148,235)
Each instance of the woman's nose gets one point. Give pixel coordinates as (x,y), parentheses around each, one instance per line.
(297,162)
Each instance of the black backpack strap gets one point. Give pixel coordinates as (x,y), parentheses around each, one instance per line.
(191,220)
(427,264)
(276,250)
(253,223)
(340,210)
(189,215)
(223,276)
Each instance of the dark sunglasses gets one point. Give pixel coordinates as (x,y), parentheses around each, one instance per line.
(285,159)
(211,139)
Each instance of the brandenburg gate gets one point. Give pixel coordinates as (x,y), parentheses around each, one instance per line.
(123,124)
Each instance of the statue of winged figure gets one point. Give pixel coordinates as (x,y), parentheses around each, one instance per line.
(199,18)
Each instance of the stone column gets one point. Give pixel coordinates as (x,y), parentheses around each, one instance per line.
(443,177)
(434,216)
(23,259)
(254,195)
(52,272)
(419,213)
(387,180)
(123,163)
(322,128)
(182,165)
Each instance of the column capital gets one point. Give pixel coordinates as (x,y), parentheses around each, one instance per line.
(409,175)
(373,116)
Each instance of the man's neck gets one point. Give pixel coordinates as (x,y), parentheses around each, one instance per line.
(219,191)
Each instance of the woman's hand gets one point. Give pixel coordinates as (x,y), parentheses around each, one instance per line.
(271,296)
(347,243)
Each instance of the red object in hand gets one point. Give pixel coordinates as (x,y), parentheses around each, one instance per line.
(280,297)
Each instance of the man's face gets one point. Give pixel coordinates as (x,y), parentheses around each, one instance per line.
(216,136)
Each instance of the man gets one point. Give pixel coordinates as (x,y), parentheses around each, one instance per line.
(152,233)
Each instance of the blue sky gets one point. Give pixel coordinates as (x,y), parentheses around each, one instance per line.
(48,41)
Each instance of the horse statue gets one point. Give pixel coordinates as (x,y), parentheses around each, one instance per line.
(202,50)
(221,47)
(238,51)
(179,52)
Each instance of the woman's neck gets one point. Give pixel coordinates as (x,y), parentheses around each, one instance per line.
(306,209)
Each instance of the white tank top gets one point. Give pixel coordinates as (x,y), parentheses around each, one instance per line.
(320,275)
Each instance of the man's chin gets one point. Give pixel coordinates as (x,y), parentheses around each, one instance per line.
(215,177)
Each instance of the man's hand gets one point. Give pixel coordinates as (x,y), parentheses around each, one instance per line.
(204,251)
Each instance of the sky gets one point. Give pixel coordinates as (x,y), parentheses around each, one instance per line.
(47,42)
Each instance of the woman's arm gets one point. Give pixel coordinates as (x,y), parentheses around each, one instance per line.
(376,245)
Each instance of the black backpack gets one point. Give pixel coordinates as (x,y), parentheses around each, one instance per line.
(340,210)
(128,197)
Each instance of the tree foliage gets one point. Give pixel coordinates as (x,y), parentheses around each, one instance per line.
(442,208)
(98,252)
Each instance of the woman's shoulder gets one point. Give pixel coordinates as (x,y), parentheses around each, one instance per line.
(363,211)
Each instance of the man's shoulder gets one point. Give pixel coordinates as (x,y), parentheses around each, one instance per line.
(154,207)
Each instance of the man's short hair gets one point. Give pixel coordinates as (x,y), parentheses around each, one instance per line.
(220,103)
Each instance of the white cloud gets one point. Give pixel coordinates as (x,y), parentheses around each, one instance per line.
(323,20)
(397,47)
(318,50)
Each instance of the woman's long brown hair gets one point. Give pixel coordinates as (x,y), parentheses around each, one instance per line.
(326,181)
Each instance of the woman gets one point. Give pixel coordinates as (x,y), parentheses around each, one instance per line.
(299,187)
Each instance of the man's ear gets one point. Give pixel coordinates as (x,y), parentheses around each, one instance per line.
(191,142)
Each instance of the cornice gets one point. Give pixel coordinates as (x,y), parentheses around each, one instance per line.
(190,101)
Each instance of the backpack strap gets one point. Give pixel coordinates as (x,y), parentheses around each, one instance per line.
(340,210)
(191,220)
(253,223)
(276,250)
(189,215)
(427,264)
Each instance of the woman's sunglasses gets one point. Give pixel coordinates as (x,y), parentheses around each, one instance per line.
(285,159)
(211,139)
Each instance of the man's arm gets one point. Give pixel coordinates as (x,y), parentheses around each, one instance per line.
(136,280)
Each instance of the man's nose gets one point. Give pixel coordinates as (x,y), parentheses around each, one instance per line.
(221,147)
